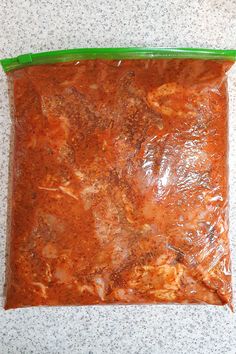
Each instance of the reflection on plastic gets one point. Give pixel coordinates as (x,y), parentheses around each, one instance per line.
(119,184)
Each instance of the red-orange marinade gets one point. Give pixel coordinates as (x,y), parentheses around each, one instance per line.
(119,184)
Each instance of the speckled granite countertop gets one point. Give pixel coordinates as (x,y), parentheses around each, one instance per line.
(33,25)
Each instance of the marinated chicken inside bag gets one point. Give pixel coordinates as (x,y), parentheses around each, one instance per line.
(119,184)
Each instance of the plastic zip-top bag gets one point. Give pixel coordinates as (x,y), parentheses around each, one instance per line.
(119,177)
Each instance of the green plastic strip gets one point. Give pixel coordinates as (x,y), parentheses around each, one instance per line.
(114,53)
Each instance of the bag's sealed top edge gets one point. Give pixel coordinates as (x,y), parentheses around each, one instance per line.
(51,57)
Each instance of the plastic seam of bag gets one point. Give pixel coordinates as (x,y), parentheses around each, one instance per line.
(66,55)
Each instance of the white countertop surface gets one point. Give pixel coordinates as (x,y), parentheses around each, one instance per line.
(34,25)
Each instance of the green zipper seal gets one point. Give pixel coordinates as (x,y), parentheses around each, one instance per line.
(61,56)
